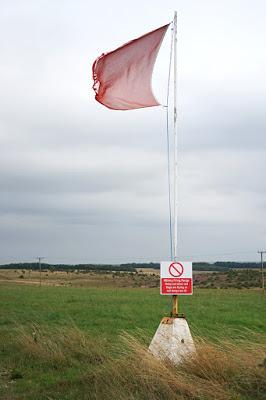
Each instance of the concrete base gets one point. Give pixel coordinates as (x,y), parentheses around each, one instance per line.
(172,340)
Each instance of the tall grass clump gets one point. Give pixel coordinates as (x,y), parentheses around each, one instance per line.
(126,370)
(217,371)
(59,347)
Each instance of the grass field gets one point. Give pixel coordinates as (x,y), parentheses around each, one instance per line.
(62,342)
(148,277)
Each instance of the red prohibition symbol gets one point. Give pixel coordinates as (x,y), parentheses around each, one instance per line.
(176,269)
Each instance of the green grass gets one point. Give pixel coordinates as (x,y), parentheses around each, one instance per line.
(209,312)
(58,370)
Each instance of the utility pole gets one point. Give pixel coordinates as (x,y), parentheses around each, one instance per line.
(40,268)
(261,252)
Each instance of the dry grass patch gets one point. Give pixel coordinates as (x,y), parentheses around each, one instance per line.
(84,367)
(218,371)
(59,347)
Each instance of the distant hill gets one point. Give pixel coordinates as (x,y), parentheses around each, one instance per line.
(131,267)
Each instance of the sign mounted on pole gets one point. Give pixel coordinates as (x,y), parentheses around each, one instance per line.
(176,277)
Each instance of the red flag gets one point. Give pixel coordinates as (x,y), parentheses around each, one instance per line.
(122,78)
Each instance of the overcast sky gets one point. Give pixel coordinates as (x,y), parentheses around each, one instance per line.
(81,183)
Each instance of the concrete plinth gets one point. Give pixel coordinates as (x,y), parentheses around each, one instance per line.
(172,340)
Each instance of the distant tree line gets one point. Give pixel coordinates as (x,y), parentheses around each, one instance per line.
(130,267)
(235,264)
(69,267)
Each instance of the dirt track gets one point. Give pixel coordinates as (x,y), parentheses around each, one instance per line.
(31,282)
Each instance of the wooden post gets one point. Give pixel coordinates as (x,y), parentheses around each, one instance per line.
(175,306)
(40,269)
(262,271)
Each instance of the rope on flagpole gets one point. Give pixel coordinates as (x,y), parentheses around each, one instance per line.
(175,137)
(168,146)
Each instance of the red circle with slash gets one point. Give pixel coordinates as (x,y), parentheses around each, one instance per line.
(176,269)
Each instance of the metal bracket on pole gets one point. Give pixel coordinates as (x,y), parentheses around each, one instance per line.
(175,306)
(174,312)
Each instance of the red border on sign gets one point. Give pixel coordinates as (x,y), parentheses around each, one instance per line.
(177,273)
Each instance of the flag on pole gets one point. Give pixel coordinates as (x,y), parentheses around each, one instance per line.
(122,78)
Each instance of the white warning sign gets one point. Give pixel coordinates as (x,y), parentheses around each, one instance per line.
(176,277)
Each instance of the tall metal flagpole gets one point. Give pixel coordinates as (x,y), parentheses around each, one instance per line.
(175,137)
(173,340)
(175,300)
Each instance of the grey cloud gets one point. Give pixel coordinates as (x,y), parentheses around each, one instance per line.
(82,183)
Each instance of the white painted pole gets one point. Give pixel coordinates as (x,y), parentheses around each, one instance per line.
(175,136)
(175,299)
